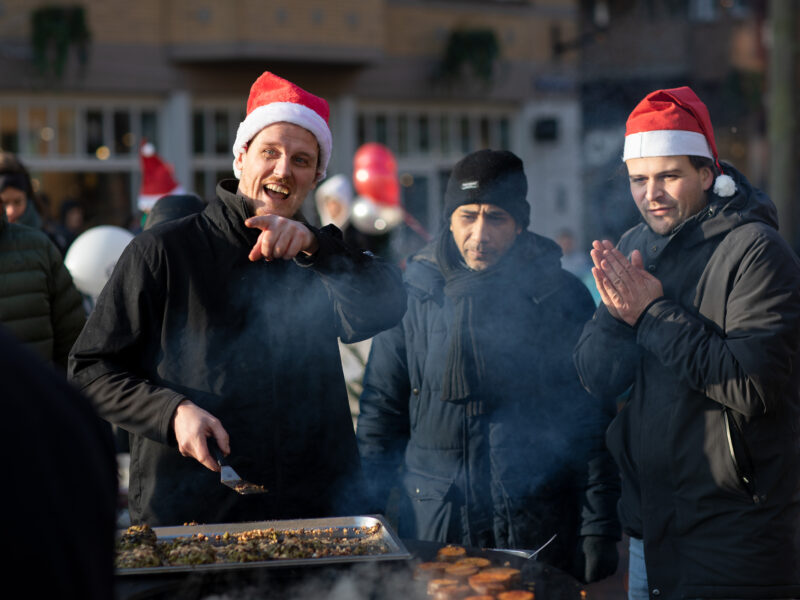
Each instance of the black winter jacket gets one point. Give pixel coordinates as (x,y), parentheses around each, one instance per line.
(709,441)
(185,314)
(533,466)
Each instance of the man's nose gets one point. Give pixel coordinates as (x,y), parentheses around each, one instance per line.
(653,190)
(281,167)
(481,230)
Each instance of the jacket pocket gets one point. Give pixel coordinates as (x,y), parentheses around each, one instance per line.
(433,511)
(739,455)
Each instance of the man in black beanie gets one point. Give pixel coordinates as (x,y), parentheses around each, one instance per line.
(472,410)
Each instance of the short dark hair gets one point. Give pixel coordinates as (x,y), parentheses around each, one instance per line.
(698,162)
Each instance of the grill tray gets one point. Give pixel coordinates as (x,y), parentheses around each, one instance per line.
(346,527)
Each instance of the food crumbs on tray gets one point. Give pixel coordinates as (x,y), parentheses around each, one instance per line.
(139,547)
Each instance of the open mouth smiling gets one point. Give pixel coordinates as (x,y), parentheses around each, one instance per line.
(274,190)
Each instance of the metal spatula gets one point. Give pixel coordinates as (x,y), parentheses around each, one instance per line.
(230,477)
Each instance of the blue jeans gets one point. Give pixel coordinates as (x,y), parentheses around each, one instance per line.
(637,574)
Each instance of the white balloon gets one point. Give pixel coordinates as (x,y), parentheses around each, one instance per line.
(374,219)
(91,257)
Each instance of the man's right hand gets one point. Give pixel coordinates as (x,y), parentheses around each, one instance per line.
(192,426)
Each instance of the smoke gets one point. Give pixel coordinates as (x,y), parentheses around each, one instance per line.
(362,581)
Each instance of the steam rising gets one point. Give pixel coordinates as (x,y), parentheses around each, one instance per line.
(362,581)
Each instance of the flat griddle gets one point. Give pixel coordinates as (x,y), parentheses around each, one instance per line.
(372,577)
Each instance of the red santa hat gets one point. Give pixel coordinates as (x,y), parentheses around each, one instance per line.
(157,178)
(273,100)
(674,122)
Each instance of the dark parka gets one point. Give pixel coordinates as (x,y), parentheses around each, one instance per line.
(185,314)
(533,466)
(709,441)
(39,303)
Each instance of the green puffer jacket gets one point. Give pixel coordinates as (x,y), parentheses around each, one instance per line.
(39,304)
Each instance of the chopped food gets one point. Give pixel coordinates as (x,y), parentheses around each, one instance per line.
(139,547)
(138,557)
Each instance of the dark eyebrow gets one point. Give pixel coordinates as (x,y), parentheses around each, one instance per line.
(676,171)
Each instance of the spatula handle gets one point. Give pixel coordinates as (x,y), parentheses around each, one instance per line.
(216,452)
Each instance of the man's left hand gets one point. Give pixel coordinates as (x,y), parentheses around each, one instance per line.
(628,285)
(280,238)
(596,558)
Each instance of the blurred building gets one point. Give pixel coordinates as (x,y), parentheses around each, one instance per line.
(81,83)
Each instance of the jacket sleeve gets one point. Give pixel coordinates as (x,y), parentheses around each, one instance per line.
(367,292)
(602,488)
(108,358)
(606,355)
(601,485)
(67,314)
(745,363)
(383,421)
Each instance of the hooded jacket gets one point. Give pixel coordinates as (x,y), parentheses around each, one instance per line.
(532,465)
(186,314)
(39,303)
(707,442)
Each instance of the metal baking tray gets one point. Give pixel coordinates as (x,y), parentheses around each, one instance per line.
(347,527)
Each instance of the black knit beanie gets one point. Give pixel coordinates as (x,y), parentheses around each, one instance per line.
(489,177)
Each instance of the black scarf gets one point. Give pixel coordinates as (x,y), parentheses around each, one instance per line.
(487,307)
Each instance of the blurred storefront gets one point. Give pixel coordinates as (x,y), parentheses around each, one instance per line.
(431,80)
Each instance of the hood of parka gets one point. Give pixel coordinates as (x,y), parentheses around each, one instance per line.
(722,214)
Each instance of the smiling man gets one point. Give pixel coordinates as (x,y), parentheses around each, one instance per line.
(700,322)
(472,410)
(224,325)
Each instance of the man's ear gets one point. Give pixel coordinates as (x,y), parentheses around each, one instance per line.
(707,178)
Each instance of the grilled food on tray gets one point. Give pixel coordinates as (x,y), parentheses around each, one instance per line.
(139,547)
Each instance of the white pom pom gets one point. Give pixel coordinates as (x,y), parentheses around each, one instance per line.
(148,149)
(724,186)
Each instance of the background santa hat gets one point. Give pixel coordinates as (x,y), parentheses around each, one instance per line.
(674,122)
(274,99)
(157,178)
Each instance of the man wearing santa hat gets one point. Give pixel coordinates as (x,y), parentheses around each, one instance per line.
(224,325)
(700,319)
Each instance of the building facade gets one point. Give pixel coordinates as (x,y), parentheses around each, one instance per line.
(81,85)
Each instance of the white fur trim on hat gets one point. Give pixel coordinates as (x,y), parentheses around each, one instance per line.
(287,112)
(666,142)
(145,202)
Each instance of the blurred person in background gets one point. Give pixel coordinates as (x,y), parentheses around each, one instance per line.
(173,206)
(70,223)
(16,192)
(39,303)
(700,320)
(223,325)
(472,407)
(60,501)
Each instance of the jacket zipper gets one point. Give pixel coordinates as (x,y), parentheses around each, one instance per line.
(745,475)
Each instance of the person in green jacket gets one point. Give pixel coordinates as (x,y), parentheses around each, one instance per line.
(39,303)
